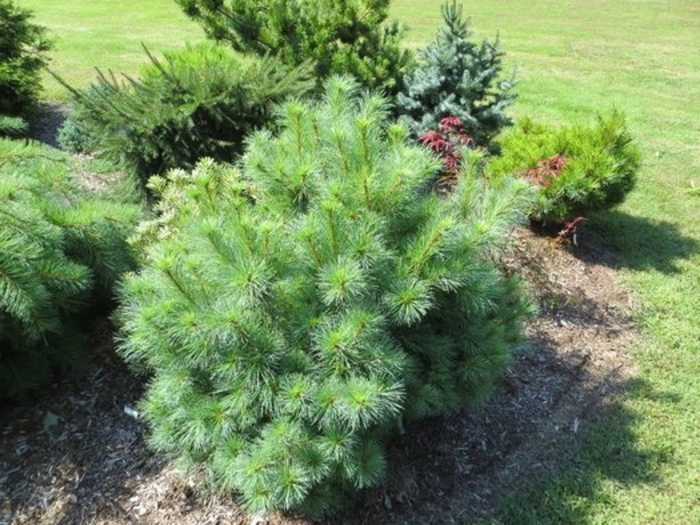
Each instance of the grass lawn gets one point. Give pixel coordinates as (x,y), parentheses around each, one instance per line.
(108,35)
(641,463)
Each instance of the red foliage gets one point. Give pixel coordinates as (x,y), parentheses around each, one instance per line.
(546,170)
(446,142)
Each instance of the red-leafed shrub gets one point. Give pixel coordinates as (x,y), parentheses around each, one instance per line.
(448,143)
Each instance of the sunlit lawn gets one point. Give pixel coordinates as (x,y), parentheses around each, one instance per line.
(108,35)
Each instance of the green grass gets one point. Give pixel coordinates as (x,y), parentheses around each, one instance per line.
(639,462)
(108,35)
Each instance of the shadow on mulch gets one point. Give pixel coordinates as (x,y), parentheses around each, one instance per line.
(47,122)
(73,446)
(558,414)
(554,417)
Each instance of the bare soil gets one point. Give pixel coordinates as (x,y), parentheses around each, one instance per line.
(76,455)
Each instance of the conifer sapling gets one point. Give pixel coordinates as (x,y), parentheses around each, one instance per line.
(457,77)
(61,250)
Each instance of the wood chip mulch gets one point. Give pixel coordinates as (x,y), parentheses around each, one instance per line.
(78,455)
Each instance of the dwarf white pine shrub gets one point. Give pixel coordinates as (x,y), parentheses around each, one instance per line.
(293,309)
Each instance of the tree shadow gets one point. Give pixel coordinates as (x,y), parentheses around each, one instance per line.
(620,240)
(606,451)
(545,448)
(539,452)
(47,121)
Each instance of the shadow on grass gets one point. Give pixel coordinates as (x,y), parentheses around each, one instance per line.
(621,240)
(607,451)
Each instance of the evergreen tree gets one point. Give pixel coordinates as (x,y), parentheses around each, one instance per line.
(61,250)
(292,310)
(200,101)
(23,48)
(457,78)
(338,36)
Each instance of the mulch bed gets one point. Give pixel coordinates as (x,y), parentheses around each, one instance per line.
(77,454)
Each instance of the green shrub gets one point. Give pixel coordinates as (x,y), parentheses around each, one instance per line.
(576,169)
(75,138)
(23,48)
(338,36)
(293,310)
(200,102)
(62,249)
(457,78)
(12,126)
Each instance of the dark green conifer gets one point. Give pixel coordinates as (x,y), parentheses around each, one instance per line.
(61,250)
(23,54)
(337,36)
(200,101)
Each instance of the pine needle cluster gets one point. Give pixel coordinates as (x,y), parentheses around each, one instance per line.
(61,250)
(457,77)
(12,126)
(294,309)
